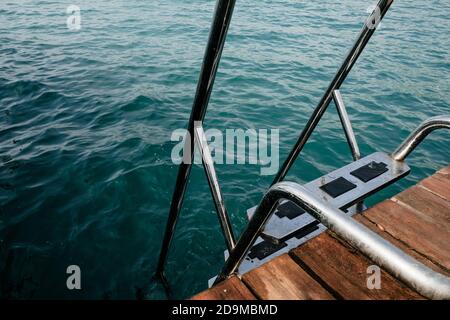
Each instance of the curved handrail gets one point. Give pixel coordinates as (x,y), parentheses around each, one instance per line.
(415,138)
(427,282)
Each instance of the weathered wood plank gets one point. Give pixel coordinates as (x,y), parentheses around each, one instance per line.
(439,184)
(345,271)
(445,171)
(428,237)
(417,221)
(434,208)
(231,289)
(401,245)
(283,279)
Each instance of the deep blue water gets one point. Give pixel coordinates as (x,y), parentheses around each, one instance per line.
(86,118)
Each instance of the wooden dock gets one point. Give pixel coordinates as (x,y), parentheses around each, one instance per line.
(417,221)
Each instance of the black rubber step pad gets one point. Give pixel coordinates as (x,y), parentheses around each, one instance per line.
(264,249)
(289,210)
(370,171)
(306,230)
(338,187)
(303,232)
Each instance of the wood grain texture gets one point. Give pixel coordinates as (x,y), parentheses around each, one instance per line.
(402,246)
(345,271)
(445,171)
(231,289)
(433,208)
(439,184)
(429,237)
(416,221)
(283,279)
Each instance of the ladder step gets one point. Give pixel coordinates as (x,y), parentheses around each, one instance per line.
(292,241)
(290,226)
(341,189)
(301,236)
(264,249)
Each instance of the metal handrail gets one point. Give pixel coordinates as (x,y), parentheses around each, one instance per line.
(364,37)
(216,192)
(211,59)
(346,125)
(213,52)
(415,138)
(427,282)
(349,134)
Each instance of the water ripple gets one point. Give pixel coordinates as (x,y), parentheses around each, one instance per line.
(86,119)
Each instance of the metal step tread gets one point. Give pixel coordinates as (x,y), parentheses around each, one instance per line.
(341,189)
(290,226)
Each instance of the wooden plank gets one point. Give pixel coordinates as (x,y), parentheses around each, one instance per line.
(417,221)
(430,238)
(401,245)
(231,289)
(434,208)
(283,279)
(439,184)
(345,271)
(445,171)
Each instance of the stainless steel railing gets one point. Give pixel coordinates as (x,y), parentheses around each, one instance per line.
(415,138)
(364,37)
(211,175)
(213,52)
(427,282)
(211,59)
(346,124)
(419,277)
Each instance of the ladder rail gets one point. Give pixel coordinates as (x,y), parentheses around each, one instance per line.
(213,52)
(350,60)
(213,181)
(211,59)
(346,125)
(349,133)
(419,277)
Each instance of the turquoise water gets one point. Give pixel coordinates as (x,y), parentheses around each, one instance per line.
(86,118)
